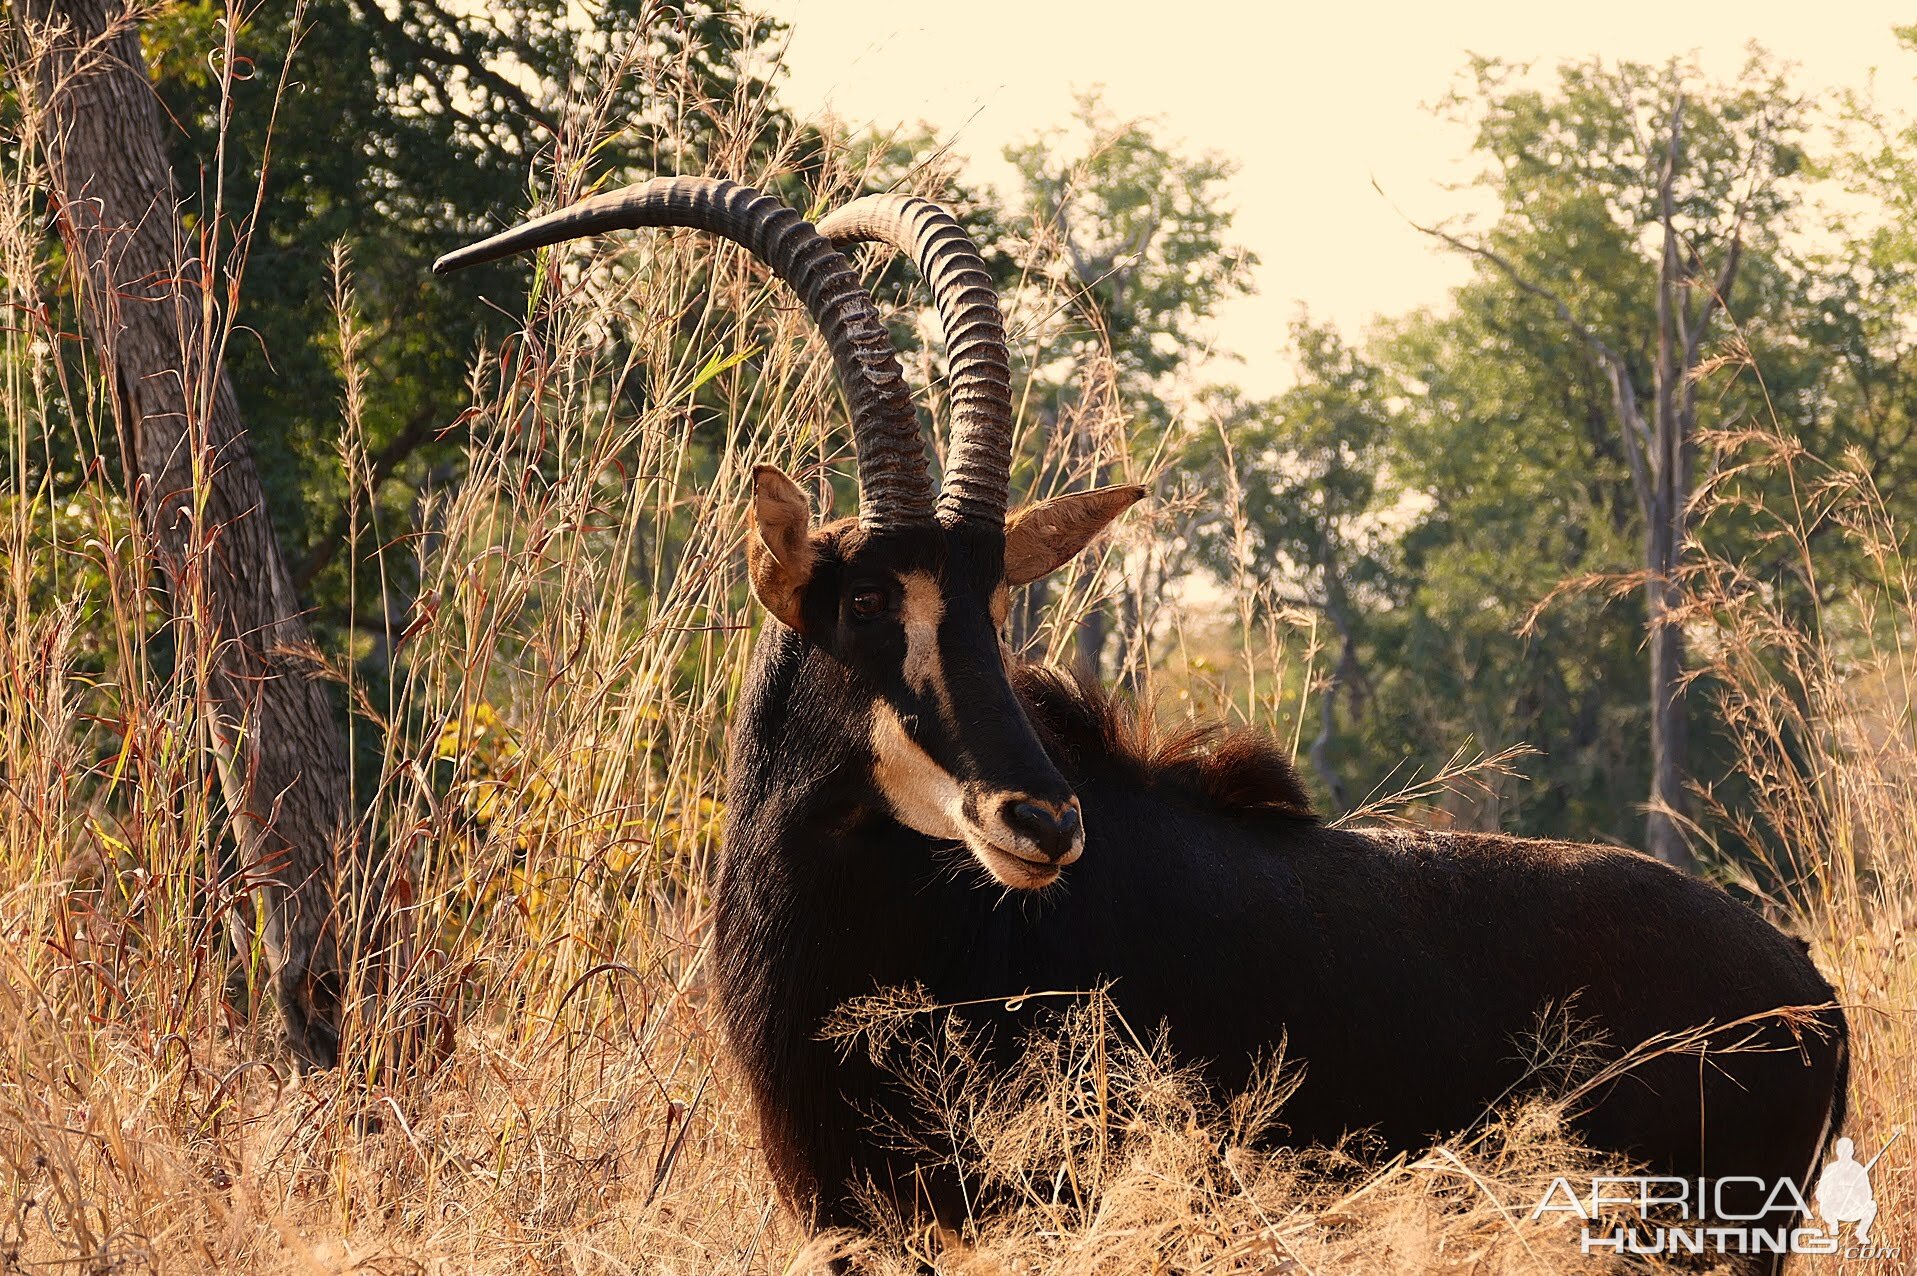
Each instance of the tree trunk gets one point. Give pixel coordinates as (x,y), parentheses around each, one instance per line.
(148,307)
(1670,741)
(1665,532)
(1666,526)
(1345,673)
(1089,644)
(1662,454)
(1095,626)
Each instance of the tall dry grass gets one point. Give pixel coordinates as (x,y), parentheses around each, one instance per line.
(1812,671)
(549,789)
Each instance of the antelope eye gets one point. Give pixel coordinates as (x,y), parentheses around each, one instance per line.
(867,603)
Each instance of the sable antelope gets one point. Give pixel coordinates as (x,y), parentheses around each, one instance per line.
(885,731)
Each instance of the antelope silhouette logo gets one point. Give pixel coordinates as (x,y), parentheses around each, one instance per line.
(1843,1190)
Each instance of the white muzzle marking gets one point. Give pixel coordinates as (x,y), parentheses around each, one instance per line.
(928,799)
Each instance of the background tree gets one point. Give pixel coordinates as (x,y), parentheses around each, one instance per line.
(1672,185)
(1312,525)
(1852,327)
(399,131)
(1503,441)
(404,130)
(1127,241)
(153,299)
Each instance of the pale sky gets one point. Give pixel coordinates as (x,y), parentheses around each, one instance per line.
(1311,101)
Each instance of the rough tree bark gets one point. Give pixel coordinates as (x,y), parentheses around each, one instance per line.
(149,310)
(1665,507)
(1662,456)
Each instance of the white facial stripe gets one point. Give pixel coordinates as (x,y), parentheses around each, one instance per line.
(927,799)
(921,612)
(923,795)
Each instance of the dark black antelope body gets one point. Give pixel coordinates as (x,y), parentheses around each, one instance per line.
(885,737)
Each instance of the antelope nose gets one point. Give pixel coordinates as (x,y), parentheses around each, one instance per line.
(1054,828)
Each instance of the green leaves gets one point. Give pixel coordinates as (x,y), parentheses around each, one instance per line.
(405,130)
(1137,235)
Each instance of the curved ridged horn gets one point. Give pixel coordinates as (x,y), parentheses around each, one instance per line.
(979,455)
(895,482)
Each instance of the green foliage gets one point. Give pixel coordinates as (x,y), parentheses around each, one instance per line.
(1121,247)
(1135,236)
(1312,518)
(1425,492)
(1523,490)
(1315,466)
(403,131)
(1433,493)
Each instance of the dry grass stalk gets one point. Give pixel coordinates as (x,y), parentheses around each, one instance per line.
(549,784)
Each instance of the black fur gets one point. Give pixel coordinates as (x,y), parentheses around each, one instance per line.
(1404,971)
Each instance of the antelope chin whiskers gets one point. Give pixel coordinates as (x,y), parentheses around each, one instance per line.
(1014,871)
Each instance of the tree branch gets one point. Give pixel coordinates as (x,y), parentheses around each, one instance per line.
(1720,293)
(1668,436)
(459,56)
(1637,437)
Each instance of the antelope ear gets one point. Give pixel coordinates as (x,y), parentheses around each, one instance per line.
(779,551)
(1041,538)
